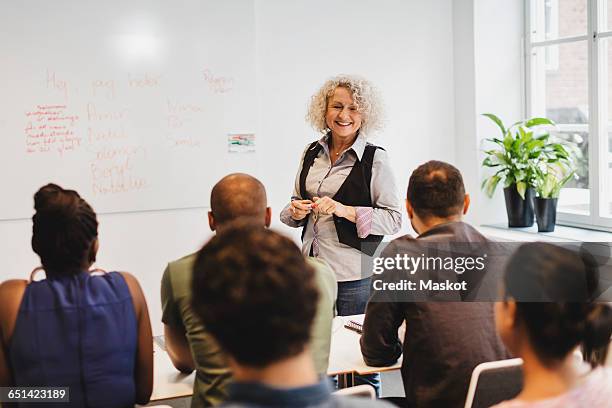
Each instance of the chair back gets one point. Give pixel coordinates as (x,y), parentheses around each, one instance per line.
(364,391)
(494,382)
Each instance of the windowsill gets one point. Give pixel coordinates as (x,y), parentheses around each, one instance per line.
(501,232)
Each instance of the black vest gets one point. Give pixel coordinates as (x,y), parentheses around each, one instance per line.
(355,191)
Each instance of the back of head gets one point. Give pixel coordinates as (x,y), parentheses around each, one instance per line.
(254,291)
(64,230)
(238,195)
(553,288)
(436,189)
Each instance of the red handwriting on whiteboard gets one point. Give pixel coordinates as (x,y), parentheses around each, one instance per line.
(96,114)
(95,135)
(178,107)
(105,87)
(180,114)
(218,84)
(56,84)
(115,178)
(50,128)
(112,170)
(183,141)
(146,81)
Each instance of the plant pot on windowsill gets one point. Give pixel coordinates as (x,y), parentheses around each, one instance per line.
(546,213)
(549,186)
(519,210)
(516,158)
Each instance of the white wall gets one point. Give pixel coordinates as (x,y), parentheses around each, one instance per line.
(404,47)
(488,78)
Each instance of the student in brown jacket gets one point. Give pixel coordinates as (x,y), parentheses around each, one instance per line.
(445,336)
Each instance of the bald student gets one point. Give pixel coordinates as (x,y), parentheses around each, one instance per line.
(189,344)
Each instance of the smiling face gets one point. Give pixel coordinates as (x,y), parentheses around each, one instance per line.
(342,116)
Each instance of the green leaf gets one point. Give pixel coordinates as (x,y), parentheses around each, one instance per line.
(516,145)
(501,157)
(526,136)
(539,121)
(557,190)
(495,140)
(508,140)
(497,121)
(515,123)
(490,184)
(487,162)
(521,187)
(533,144)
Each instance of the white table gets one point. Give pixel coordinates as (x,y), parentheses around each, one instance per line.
(345,357)
(168,382)
(345,360)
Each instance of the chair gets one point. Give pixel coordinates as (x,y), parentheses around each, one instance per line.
(494,382)
(364,391)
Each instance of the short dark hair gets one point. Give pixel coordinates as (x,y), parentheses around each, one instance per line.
(64,228)
(238,195)
(436,189)
(255,292)
(554,288)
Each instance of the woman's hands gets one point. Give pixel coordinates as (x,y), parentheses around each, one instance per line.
(327,206)
(300,209)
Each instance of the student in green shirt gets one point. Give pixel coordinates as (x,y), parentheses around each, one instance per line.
(188,342)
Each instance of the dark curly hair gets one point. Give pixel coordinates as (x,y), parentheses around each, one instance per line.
(254,291)
(63,231)
(436,189)
(554,288)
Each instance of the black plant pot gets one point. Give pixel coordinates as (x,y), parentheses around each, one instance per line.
(546,213)
(520,212)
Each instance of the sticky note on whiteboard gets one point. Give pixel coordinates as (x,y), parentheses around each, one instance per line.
(241,142)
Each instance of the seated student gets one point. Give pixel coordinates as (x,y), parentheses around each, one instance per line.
(444,341)
(89,332)
(256,294)
(235,196)
(544,334)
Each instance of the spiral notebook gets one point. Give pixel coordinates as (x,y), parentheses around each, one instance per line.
(354,326)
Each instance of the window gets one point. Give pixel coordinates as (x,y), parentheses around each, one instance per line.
(569,80)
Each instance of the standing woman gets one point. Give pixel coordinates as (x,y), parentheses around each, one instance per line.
(75,329)
(344,196)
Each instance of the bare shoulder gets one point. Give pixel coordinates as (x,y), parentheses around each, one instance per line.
(131,281)
(12,288)
(13,284)
(135,291)
(11,293)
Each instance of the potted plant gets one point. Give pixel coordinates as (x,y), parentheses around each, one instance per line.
(548,188)
(517,158)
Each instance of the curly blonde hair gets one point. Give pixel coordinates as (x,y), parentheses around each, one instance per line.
(364,94)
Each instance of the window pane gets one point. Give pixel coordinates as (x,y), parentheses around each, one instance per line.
(606,124)
(553,19)
(560,92)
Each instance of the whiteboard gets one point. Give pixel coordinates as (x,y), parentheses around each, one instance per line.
(138,105)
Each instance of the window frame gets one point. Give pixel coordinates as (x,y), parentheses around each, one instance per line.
(598,135)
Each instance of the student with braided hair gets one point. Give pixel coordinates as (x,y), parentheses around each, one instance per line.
(86,331)
(547,312)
